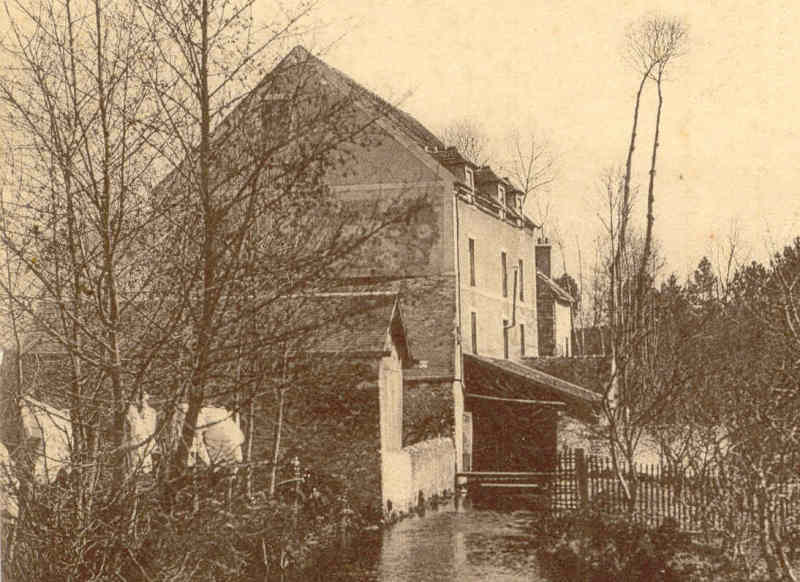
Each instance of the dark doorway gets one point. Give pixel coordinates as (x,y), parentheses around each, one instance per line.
(512,437)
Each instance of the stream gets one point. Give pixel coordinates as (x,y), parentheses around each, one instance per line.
(452,543)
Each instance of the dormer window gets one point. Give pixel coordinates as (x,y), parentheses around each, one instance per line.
(470,178)
(501,193)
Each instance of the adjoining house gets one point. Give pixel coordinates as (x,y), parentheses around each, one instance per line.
(554,305)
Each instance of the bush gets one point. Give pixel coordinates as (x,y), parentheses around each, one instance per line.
(598,547)
(134,535)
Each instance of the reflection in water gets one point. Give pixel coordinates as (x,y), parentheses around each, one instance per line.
(460,544)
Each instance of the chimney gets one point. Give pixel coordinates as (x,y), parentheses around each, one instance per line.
(543,252)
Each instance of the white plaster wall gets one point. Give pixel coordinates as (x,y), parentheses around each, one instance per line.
(390,381)
(396,483)
(563,330)
(493,236)
(428,466)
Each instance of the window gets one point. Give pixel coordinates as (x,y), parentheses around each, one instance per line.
(521,281)
(522,339)
(472,262)
(504,273)
(469,177)
(474,326)
(501,193)
(505,339)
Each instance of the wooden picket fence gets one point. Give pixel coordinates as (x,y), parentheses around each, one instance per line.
(579,480)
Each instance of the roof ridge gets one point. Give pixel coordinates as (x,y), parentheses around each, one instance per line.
(408,123)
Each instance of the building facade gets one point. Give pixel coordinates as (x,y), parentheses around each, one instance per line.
(554,306)
(464,266)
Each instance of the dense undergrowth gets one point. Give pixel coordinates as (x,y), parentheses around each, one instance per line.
(136,535)
(597,547)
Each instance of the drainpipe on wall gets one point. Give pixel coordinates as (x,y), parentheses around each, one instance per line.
(458,364)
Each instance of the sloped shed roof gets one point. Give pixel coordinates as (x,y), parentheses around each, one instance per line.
(557,290)
(363,322)
(486,374)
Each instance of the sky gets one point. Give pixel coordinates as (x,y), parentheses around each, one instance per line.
(730,117)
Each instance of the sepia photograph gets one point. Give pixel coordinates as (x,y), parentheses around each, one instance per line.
(399,290)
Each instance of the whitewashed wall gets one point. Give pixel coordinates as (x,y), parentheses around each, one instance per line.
(563,330)
(390,382)
(428,466)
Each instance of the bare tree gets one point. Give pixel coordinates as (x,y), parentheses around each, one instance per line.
(162,208)
(87,143)
(470,139)
(653,44)
(530,163)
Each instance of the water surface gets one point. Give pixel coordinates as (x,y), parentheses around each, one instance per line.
(462,544)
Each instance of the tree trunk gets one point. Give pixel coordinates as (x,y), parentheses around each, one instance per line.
(648,237)
(764,537)
(248,451)
(276,443)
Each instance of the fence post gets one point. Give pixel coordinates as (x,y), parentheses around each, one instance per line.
(582,478)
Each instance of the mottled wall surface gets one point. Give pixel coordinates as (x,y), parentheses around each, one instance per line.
(390,177)
(428,410)
(333,426)
(410,226)
(377,157)
(429,314)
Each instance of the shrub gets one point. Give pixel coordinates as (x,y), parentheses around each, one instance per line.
(132,534)
(598,547)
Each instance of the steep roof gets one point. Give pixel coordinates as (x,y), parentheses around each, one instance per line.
(451,156)
(299,56)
